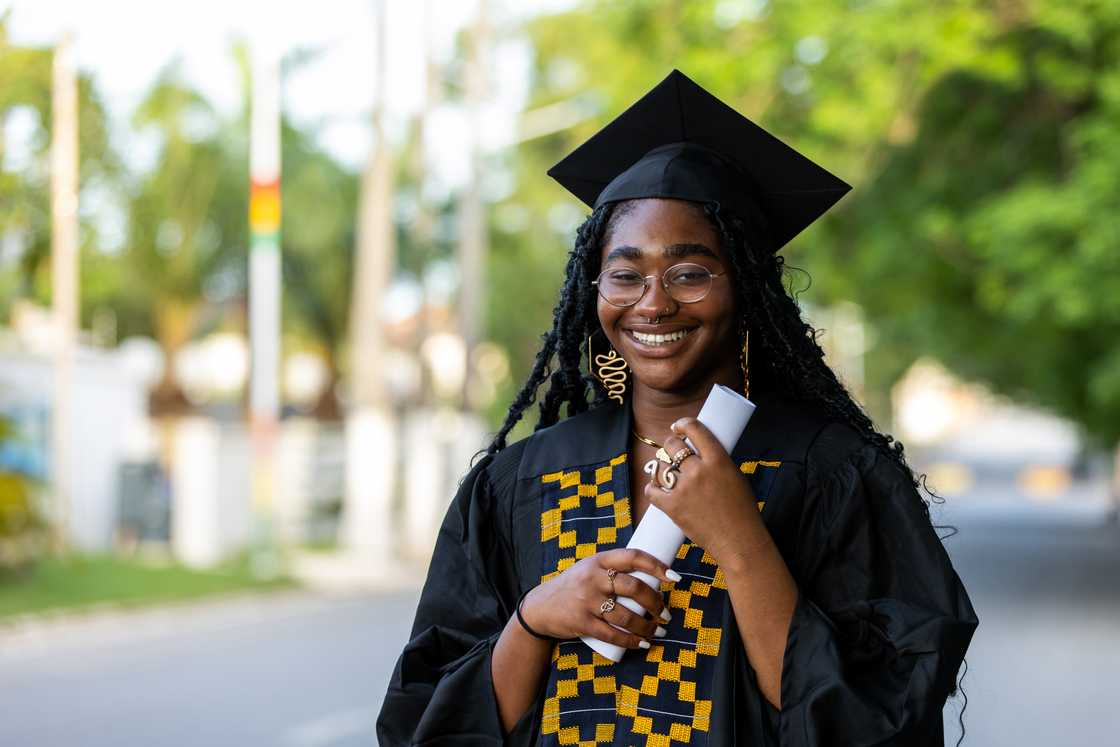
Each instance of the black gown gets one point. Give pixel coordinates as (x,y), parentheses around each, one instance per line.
(881,625)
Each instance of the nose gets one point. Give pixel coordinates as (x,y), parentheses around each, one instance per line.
(656,301)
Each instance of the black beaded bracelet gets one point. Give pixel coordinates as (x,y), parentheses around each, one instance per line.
(525,625)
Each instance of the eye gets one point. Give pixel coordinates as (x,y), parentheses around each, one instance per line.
(690,275)
(623,276)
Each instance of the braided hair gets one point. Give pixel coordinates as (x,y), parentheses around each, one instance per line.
(789,357)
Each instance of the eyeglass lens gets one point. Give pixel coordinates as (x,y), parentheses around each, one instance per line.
(686,283)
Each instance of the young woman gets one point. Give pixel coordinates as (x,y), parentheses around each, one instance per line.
(812,603)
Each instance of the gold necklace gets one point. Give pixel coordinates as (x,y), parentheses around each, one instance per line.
(645,440)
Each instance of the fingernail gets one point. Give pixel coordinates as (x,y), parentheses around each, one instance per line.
(665,615)
(643,643)
(672,575)
(660,632)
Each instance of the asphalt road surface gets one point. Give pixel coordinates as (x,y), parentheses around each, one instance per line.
(300,670)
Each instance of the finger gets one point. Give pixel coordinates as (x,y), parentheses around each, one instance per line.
(636,624)
(703,442)
(651,600)
(597,628)
(627,559)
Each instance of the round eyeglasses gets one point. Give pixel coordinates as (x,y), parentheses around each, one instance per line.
(685,283)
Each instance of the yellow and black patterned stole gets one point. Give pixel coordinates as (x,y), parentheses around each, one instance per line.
(659,697)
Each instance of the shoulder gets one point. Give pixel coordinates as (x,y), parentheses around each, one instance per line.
(496,473)
(848,473)
(833,445)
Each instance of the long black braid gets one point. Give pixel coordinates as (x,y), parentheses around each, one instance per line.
(573,315)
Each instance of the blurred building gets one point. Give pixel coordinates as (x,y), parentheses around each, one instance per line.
(110,412)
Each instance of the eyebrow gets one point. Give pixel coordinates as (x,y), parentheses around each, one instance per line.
(673,251)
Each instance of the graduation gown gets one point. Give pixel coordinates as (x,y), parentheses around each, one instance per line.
(881,624)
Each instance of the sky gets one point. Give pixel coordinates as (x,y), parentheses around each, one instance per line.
(123,44)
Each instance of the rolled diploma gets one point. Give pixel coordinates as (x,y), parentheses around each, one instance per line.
(726,414)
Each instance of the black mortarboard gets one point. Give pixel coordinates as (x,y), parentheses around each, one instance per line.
(681,141)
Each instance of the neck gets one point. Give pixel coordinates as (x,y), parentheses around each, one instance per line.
(656,409)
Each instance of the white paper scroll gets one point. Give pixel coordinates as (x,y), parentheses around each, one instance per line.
(726,414)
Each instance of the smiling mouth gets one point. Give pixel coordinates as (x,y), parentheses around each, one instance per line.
(659,340)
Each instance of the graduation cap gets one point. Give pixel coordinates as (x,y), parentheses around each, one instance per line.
(681,141)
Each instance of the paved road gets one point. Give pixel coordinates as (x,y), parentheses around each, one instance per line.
(305,671)
(295,671)
(1044,666)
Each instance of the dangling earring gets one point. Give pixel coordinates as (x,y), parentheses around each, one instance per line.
(610,370)
(744,364)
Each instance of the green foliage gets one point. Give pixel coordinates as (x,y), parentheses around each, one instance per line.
(25,215)
(318,223)
(991,237)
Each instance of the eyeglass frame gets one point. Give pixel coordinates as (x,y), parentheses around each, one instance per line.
(661,277)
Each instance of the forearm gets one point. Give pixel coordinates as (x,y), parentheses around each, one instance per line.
(763,595)
(519,664)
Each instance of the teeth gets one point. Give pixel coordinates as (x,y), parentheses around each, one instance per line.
(660,339)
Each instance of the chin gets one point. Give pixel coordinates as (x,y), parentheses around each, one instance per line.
(675,378)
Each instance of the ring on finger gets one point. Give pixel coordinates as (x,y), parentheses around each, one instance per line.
(681,455)
(610,576)
(607,605)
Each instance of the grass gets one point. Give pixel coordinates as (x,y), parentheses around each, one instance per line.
(77,581)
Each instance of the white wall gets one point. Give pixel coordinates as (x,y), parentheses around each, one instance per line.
(108,408)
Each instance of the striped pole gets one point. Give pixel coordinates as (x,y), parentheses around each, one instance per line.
(264,297)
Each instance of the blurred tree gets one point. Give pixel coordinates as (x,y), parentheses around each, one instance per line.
(991,238)
(25,118)
(317,232)
(187,222)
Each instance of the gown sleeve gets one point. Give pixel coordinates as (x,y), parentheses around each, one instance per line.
(882,621)
(441,691)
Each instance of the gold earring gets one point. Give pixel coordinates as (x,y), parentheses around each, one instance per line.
(610,370)
(744,364)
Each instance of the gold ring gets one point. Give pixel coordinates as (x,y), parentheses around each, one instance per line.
(663,456)
(606,606)
(610,575)
(669,480)
(681,455)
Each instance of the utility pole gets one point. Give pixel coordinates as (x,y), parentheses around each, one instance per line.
(64,278)
(264,296)
(472,212)
(371,434)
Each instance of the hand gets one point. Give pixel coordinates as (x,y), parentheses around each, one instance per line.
(710,501)
(567,606)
